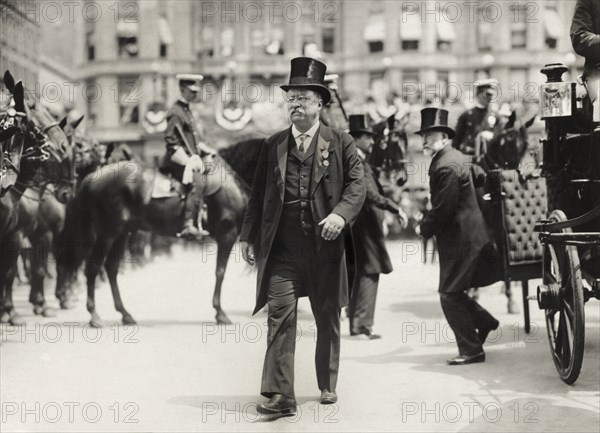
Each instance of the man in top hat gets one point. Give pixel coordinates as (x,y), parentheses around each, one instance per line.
(307,191)
(585,38)
(185,149)
(457,223)
(372,257)
(474,127)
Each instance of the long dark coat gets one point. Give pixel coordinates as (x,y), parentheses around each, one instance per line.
(455,220)
(585,33)
(336,187)
(371,254)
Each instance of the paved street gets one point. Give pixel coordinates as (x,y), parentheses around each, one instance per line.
(178,371)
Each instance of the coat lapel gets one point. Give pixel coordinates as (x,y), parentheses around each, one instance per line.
(282,154)
(319,168)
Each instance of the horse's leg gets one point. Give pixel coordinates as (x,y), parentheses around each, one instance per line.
(9,254)
(512,306)
(92,268)
(225,243)
(39,266)
(115,256)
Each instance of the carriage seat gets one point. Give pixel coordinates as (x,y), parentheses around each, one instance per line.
(525,204)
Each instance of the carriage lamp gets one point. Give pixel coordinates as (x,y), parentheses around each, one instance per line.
(557,96)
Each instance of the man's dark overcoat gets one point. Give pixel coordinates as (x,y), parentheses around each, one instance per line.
(455,219)
(337,185)
(371,254)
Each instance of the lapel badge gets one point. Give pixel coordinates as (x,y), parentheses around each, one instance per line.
(325,154)
(326,163)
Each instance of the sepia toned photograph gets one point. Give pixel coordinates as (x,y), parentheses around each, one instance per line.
(299,216)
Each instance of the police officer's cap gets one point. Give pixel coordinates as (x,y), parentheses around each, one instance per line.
(190,81)
(489,84)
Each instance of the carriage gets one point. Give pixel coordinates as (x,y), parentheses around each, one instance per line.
(570,236)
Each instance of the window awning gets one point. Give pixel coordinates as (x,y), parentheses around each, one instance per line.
(164,31)
(410,27)
(375,29)
(445,31)
(552,24)
(127,30)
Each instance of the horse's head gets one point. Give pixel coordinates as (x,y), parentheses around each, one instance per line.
(389,152)
(509,143)
(14,136)
(47,147)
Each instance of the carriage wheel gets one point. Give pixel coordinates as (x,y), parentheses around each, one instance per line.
(564,305)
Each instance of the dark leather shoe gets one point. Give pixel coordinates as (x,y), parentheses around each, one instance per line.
(278,404)
(367,332)
(466,359)
(328,397)
(485,330)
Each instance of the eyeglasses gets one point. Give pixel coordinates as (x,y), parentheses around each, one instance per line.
(290,99)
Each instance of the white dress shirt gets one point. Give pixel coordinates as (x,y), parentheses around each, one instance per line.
(309,135)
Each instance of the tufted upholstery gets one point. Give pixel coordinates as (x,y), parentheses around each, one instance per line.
(525,203)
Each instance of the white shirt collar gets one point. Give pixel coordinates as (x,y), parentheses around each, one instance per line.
(362,154)
(310,133)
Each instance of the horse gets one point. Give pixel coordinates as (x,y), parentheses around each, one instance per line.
(117,199)
(42,219)
(39,154)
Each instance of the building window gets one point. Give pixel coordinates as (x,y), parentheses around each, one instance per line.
(552,25)
(129,94)
(518,27)
(90,41)
(328,37)
(165,36)
(128,29)
(410,27)
(445,35)
(374,33)
(164,49)
(484,31)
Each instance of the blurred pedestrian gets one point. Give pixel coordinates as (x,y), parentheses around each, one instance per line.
(372,258)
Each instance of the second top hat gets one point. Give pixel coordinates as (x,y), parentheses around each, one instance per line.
(308,73)
(435,119)
(359,124)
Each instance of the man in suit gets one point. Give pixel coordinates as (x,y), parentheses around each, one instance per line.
(185,149)
(474,126)
(308,188)
(585,37)
(457,223)
(372,257)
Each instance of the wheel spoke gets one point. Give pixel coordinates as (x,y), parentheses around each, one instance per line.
(567,309)
(565,346)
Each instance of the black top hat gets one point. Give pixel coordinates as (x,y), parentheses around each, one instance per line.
(435,119)
(308,74)
(359,124)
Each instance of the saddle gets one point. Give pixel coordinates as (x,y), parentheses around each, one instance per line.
(165,186)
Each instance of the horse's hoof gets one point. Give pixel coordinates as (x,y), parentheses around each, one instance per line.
(95,323)
(37,310)
(222,319)
(16,320)
(128,320)
(48,312)
(66,304)
(513,308)
(4,317)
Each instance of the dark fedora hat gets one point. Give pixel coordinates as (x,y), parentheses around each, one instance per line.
(435,119)
(308,74)
(359,124)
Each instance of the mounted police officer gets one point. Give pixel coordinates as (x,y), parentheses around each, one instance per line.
(185,151)
(474,127)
